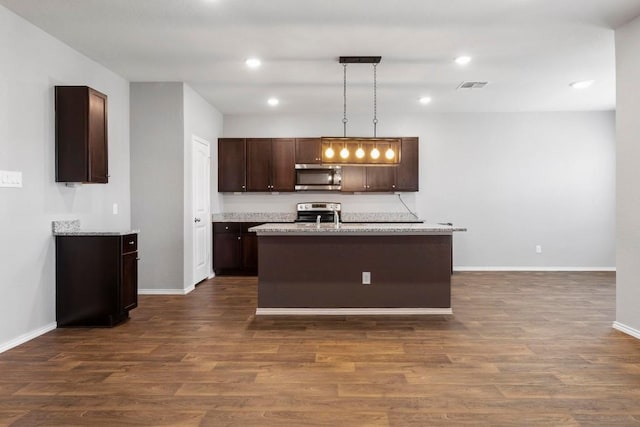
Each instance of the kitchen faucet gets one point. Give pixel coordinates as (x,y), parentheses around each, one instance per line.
(318,221)
(336,219)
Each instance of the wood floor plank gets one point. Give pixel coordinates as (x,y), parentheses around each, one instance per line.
(522,348)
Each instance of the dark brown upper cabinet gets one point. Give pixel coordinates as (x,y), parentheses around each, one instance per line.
(81,135)
(308,150)
(371,178)
(402,177)
(231,165)
(407,170)
(270,164)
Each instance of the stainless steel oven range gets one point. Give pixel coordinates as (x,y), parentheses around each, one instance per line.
(318,212)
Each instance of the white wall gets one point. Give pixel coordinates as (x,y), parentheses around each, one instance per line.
(157,183)
(204,121)
(628,190)
(32,64)
(164,117)
(516,180)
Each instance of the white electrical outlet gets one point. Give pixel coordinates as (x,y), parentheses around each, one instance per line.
(538,249)
(115,209)
(11,179)
(366,277)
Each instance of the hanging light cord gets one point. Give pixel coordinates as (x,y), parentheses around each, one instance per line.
(375,100)
(344,95)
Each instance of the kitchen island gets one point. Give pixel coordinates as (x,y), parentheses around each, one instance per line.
(361,268)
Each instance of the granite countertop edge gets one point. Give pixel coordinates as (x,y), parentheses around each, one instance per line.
(95,233)
(363,228)
(347,217)
(72,228)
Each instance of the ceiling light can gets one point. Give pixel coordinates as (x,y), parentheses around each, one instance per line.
(253,62)
(462,60)
(424,100)
(273,101)
(582,84)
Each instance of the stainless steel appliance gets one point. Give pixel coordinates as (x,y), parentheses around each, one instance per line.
(310,177)
(318,212)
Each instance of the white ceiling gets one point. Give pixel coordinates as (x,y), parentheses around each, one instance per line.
(529,50)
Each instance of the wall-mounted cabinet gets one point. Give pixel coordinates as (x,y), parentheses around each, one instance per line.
(403,177)
(270,164)
(407,171)
(81,135)
(232,165)
(266,164)
(308,150)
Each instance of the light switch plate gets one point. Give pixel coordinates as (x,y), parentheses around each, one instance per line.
(11,179)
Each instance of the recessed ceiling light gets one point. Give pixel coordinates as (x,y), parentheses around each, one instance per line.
(583,84)
(424,100)
(253,62)
(273,101)
(462,60)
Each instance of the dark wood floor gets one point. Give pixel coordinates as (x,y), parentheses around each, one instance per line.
(522,349)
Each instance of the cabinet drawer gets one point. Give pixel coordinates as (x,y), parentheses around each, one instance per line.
(226,227)
(129,243)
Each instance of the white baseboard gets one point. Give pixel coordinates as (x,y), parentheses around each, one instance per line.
(578,269)
(27,337)
(626,329)
(349,311)
(166,291)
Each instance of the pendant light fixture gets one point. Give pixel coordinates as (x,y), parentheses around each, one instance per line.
(367,151)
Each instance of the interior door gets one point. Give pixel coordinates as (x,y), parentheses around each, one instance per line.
(201,151)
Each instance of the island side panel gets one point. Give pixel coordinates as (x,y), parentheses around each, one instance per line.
(321,271)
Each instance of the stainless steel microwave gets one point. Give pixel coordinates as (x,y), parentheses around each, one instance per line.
(313,177)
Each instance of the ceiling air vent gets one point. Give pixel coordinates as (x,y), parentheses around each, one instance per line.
(472,85)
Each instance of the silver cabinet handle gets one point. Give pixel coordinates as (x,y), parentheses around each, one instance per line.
(137,259)
(239,237)
(131,242)
(196,219)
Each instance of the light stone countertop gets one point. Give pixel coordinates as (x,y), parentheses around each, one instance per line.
(347,217)
(72,228)
(364,229)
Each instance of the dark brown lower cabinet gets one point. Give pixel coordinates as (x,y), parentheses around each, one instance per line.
(235,249)
(96,279)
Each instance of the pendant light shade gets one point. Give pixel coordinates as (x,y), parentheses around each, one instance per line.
(344,153)
(375,153)
(360,153)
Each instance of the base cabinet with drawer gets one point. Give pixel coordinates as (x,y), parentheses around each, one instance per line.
(235,249)
(96,279)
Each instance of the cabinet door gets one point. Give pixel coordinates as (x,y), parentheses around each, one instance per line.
(129,291)
(81,135)
(283,173)
(250,252)
(259,164)
(227,251)
(249,248)
(231,164)
(308,150)
(97,138)
(354,178)
(381,178)
(407,176)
